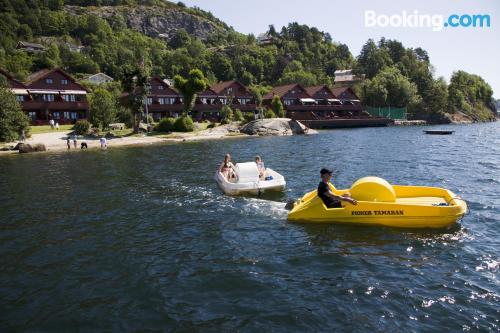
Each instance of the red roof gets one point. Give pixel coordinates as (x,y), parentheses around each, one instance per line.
(221,86)
(11,81)
(159,80)
(282,90)
(314,89)
(340,90)
(208,92)
(44,72)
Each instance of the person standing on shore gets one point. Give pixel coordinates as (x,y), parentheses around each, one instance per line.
(103,142)
(22,137)
(74,140)
(68,142)
(57,126)
(51,123)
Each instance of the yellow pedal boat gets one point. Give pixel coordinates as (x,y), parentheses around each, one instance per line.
(380,203)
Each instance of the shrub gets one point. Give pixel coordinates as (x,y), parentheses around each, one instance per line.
(12,118)
(150,119)
(248,117)
(124,116)
(184,124)
(226,115)
(165,125)
(81,127)
(269,114)
(238,116)
(211,125)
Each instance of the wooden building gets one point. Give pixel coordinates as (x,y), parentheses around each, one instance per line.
(99,78)
(163,100)
(209,103)
(323,107)
(50,94)
(30,47)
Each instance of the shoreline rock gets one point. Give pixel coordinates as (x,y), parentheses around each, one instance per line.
(30,148)
(275,126)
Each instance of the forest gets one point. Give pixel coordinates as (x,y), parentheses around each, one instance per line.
(395,75)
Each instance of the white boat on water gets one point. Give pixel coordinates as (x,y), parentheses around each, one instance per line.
(248,181)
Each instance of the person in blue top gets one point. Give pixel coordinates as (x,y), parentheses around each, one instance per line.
(329,199)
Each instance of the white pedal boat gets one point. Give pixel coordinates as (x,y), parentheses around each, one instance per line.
(247,180)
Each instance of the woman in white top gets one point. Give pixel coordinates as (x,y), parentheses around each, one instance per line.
(260,166)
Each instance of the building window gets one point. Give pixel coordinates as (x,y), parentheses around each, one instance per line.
(229,90)
(69,98)
(20,98)
(288,101)
(66,115)
(64,81)
(32,115)
(48,81)
(160,87)
(56,115)
(48,97)
(150,100)
(74,115)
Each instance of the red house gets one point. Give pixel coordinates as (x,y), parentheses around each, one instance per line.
(50,94)
(346,95)
(163,100)
(290,95)
(209,103)
(323,95)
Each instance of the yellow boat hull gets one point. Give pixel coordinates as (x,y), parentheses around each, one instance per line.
(413,207)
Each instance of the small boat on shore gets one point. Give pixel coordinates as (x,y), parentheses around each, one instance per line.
(248,181)
(439,132)
(380,203)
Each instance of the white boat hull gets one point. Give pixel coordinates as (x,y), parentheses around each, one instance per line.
(257,187)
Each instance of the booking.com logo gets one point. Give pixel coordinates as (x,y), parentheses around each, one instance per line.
(416,20)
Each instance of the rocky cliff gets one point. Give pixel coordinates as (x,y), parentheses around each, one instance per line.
(153,21)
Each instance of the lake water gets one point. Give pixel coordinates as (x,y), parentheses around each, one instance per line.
(141,238)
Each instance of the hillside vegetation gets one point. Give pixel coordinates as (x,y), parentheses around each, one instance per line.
(173,39)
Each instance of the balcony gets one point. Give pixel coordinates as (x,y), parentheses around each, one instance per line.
(198,107)
(324,107)
(56,105)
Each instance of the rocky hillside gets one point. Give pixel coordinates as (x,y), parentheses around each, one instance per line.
(153,21)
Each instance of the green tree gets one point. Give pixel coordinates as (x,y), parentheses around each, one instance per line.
(472,95)
(372,60)
(269,114)
(238,115)
(136,83)
(227,114)
(102,108)
(190,87)
(12,118)
(180,39)
(277,107)
(389,88)
(222,68)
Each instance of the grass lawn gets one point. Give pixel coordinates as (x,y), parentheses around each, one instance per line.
(47,129)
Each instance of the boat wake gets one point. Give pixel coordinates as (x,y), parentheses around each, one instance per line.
(265,208)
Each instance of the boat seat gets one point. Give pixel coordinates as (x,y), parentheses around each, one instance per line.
(426,201)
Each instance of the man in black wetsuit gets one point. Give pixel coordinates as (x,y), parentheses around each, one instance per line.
(329,199)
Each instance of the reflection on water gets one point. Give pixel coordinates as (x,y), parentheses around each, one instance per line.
(142,239)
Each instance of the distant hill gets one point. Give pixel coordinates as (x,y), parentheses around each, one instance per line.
(110,36)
